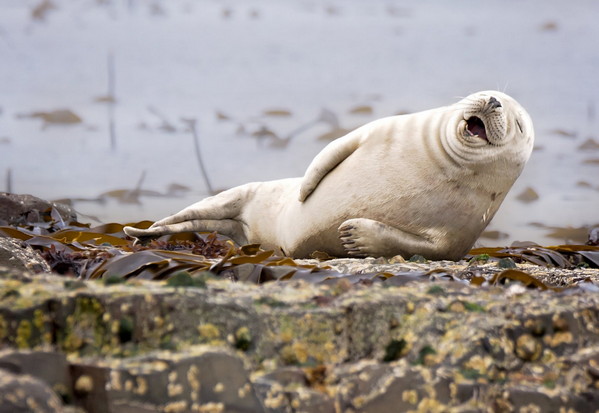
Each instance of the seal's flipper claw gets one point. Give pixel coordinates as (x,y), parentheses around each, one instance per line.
(143,240)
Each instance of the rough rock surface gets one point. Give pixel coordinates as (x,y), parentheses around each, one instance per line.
(24,209)
(24,393)
(143,346)
(19,256)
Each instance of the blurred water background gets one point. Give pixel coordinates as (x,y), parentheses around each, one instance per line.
(107,102)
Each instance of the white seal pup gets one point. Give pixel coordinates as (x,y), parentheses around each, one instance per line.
(426,183)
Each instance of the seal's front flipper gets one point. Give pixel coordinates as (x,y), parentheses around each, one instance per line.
(363,237)
(331,156)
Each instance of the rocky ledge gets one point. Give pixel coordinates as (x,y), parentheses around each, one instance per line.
(220,346)
(257,333)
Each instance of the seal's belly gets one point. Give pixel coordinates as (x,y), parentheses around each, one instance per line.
(394,193)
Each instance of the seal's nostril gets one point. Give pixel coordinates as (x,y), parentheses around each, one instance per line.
(494,103)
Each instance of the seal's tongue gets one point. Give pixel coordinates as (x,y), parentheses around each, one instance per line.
(477,127)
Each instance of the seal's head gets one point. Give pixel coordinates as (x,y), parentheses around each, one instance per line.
(490,126)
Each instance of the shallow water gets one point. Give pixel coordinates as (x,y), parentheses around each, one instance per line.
(252,73)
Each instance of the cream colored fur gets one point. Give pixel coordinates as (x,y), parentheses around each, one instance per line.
(410,184)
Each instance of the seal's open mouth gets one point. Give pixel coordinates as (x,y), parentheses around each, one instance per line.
(477,127)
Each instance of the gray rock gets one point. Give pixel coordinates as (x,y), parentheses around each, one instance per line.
(593,237)
(20,256)
(24,394)
(439,346)
(357,380)
(287,376)
(311,401)
(49,366)
(199,377)
(18,210)
(287,390)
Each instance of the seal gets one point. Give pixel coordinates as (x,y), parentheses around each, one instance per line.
(426,183)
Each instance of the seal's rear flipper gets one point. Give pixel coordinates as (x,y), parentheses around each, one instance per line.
(142,236)
(218,213)
(362,237)
(229,227)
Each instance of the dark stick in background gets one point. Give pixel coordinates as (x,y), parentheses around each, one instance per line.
(9,180)
(191,123)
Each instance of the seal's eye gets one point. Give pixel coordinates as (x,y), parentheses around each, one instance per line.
(519,126)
